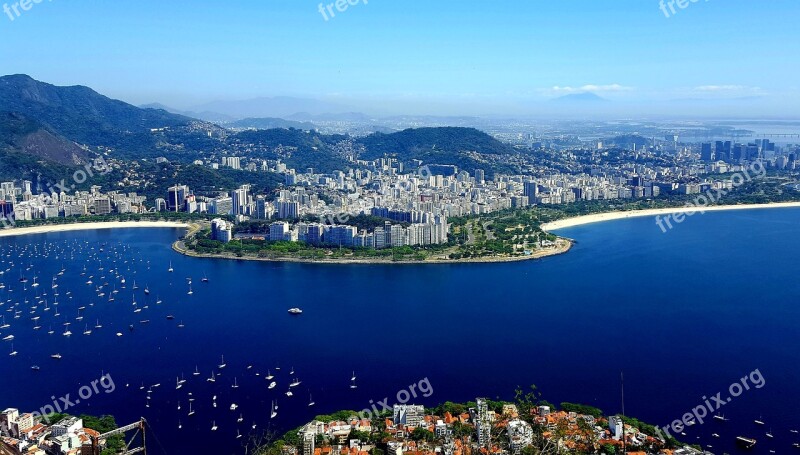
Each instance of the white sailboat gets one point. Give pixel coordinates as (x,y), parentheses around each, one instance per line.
(273,410)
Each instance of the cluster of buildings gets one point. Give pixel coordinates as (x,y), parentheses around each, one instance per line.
(20,204)
(24,434)
(487,431)
(431,232)
(737,153)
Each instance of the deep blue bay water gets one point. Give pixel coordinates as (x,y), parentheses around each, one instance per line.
(683,314)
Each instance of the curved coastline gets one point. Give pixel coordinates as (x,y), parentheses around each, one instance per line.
(47,229)
(563,247)
(612,216)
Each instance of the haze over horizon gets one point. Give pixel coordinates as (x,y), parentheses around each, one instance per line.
(414,57)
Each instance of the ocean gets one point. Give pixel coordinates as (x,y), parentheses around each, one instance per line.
(684,315)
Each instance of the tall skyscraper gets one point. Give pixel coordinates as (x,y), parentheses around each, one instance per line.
(707,153)
(531,189)
(176,196)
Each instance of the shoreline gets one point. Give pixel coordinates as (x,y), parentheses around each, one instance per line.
(613,216)
(54,228)
(563,247)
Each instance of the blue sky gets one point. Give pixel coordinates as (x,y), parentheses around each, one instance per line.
(413,56)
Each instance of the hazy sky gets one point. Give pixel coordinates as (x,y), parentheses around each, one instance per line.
(416,56)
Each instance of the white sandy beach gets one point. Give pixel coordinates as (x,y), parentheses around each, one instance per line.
(89,227)
(610,216)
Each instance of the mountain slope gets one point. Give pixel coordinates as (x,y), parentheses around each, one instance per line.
(467,148)
(82,115)
(19,133)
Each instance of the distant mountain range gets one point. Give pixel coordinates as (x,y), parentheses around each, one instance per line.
(270,123)
(208,116)
(45,125)
(581,98)
(280,106)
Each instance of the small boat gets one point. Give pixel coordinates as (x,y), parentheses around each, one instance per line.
(178,385)
(238,434)
(310,400)
(8,338)
(271,385)
(179,425)
(223,364)
(191,411)
(213,424)
(295,383)
(170,317)
(212,378)
(35,368)
(235,384)
(353,381)
(170,270)
(146,291)
(745,443)
(714,435)
(295,311)
(196,371)
(180,326)
(769,434)
(13,352)
(234,407)
(720,418)
(240,419)
(758,422)
(273,411)
(205,279)
(56,356)
(289,393)
(269,376)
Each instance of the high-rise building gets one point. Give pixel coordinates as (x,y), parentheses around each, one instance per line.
(239,199)
(176,196)
(483,425)
(288,210)
(102,206)
(278,231)
(707,153)
(531,189)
